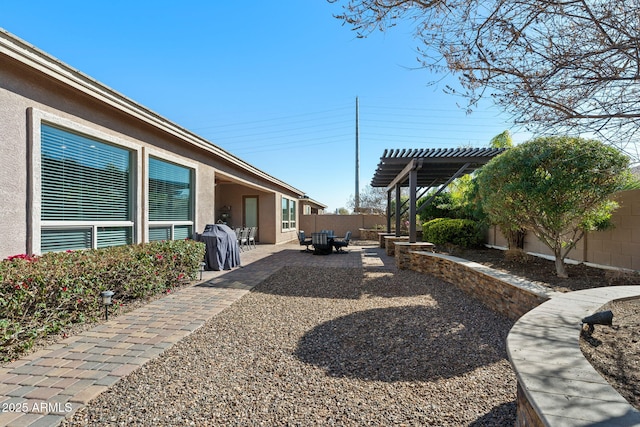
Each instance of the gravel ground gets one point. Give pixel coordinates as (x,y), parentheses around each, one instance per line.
(334,346)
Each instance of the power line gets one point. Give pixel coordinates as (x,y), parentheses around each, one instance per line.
(379,124)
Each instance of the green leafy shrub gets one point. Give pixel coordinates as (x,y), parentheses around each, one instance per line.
(461,232)
(40,295)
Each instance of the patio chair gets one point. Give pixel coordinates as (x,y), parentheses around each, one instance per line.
(244,238)
(341,244)
(304,241)
(238,231)
(320,244)
(252,237)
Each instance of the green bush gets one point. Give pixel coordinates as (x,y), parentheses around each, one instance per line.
(461,232)
(40,295)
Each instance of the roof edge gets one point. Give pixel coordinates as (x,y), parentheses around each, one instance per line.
(27,54)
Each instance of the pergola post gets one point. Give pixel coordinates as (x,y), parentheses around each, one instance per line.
(398,193)
(413,187)
(388,211)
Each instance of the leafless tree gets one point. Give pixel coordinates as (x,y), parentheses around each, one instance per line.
(570,66)
(372,200)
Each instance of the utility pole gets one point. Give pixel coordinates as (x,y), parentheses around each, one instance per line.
(357,196)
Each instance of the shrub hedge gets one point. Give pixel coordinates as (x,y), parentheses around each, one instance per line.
(40,295)
(461,232)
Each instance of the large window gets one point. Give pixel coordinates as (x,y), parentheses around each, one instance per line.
(288,214)
(170,201)
(86,192)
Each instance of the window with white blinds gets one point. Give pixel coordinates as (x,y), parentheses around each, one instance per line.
(170,200)
(83,179)
(86,192)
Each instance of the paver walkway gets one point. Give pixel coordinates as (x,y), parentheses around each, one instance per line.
(48,385)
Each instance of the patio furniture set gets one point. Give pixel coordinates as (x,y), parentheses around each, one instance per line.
(246,237)
(324,242)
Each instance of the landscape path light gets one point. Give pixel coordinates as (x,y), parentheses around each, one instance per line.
(202,265)
(599,318)
(106,301)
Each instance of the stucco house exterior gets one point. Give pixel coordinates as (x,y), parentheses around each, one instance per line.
(309,206)
(83,166)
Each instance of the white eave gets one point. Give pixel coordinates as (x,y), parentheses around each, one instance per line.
(26,53)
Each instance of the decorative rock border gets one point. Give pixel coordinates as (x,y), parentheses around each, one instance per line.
(557,386)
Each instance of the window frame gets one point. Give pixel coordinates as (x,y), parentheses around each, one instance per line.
(36,118)
(288,209)
(163,156)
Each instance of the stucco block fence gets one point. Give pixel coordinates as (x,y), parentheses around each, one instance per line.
(554,360)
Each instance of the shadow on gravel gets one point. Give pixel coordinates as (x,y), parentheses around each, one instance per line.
(501,415)
(405,343)
(345,283)
(314,282)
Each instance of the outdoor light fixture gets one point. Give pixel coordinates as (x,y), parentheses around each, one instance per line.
(106,301)
(599,318)
(202,265)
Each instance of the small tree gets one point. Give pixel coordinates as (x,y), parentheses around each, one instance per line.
(556,187)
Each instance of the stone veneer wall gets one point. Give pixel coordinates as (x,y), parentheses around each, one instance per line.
(506,294)
(403,252)
(514,296)
(369,234)
(381,237)
(526,415)
(389,243)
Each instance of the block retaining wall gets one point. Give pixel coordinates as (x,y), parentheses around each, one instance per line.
(503,293)
(403,252)
(389,243)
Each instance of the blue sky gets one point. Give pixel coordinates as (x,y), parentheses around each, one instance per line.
(274,83)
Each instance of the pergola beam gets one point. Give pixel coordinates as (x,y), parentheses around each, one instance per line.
(424,168)
(414,164)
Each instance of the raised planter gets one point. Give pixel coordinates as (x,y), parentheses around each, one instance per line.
(402,252)
(557,386)
(389,243)
(507,294)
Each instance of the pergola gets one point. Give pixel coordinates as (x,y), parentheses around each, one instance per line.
(421,170)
